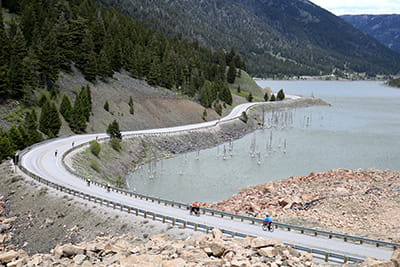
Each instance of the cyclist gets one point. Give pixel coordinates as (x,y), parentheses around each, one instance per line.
(268,221)
(195,207)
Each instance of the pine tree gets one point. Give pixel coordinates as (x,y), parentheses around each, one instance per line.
(104,65)
(18,73)
(31,126)
(272,97)
(281,95)
(231,76)
(266,97)
(16,138)
(49,122)
(113,130)
(6,148)
(66,108)
(87,61)
(250,97)
(48,57)
(4,59)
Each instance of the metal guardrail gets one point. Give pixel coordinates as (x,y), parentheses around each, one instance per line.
(175,221)
(288,227)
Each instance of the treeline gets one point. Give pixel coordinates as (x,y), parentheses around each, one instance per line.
(45,37)
(51,35)
(34,128)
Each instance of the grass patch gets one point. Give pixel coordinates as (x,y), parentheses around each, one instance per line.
(247,84)
(94,164)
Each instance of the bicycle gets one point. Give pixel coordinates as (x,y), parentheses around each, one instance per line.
(268,227)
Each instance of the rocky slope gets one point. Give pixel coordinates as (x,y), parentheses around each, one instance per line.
(357,202)
(128,249)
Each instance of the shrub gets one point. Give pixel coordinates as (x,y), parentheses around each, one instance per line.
(95,148)
(95,165)
(272,98)
(244,117)
(106,106)
(204,117)
(115,144)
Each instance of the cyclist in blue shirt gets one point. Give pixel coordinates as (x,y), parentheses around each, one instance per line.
(267,221)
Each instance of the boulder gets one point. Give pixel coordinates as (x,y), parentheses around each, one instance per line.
(79,259)
(174,263)
(217,234)
(217,249)
(396,257)
(67,250)
(141,260)
(18,263)
(160,237)
(8,256)
(268,252)
(259,242)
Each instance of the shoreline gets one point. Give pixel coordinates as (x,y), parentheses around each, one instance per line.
(139,150)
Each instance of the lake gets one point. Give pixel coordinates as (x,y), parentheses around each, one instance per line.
(360,129)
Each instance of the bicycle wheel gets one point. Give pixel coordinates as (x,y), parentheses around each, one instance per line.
(271,228)
(265,227)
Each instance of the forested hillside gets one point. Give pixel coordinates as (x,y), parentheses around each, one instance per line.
(40,39)
(385,28)
(275,36)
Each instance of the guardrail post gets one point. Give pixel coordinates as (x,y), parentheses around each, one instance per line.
(345,239)
(233,234)
(145,214)
(377,244)
(330,236)
(346,259)
(207,230)
(122,207)
(326,257)
(184,224)
(163,219)
(114,205)
(137,212)
(231,217)
(195,227)
(173,222)
(129,209)
(154,216)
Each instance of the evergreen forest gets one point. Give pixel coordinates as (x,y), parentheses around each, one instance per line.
(39,39)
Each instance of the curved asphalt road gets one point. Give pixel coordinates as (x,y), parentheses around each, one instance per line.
(41,160)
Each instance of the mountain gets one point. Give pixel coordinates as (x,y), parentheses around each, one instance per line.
(275,36)
(385,28)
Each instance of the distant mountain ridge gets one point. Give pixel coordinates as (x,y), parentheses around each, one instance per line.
(385,28)
(275,36)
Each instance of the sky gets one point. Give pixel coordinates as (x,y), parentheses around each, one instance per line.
(351,7)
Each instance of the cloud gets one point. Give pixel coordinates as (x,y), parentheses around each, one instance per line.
(341,7)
